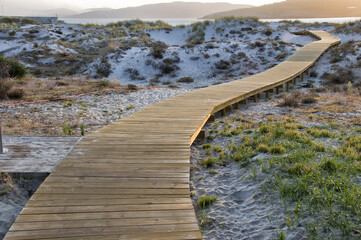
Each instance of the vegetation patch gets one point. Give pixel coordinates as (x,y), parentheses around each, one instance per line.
(206,200)
(186,80)
(312,169)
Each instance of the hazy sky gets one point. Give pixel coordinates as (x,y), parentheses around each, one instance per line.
(84,4)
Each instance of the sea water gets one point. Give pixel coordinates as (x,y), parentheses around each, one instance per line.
(187,21)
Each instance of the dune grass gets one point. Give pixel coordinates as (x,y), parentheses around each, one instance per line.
(313,171)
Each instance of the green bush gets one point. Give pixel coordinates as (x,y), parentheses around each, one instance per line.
(207,145)
(209,162)
(13,68)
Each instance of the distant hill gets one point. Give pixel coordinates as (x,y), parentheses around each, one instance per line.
(163,10)
(60,12)
(298,9)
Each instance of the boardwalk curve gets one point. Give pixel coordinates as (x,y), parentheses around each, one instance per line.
(130,180)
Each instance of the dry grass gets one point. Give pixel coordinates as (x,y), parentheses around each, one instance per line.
(333,106)
(297,98)
(30,123)
(38,89)
(6,183)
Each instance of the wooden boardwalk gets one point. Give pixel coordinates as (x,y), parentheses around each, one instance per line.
(130,180)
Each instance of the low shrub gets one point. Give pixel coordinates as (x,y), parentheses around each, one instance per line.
(5,87)
(341,76)
(241,55)
(277,149)
(319,133)
(295,98)
(10,68)
(208,162)
(313,74)
(268,33)
(309,100)
(16,93)
(158,49)
(186,80)
(134,74)
(213,172)
(167,68)
(104,84)
(290,100)
(223,65)
(217,149)
(263,148)
(18,21)
(104,68)
(197,37)
(206,146)
(132,87)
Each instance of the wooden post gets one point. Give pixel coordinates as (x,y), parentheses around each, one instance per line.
(287,86)
(202,134)
(267,94)
(259,95)
(245,101)
(229,108)
(212,118)
(1,143)
(294,81)
(223,112)
(236,105)
(277,90)
(255,98)
(302,78)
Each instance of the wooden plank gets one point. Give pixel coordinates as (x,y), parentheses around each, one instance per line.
(88,223)
(80,196)
(189,235)
(84,232)
(105,208)
(100,202)
(115,185)
(104,173)
(103,215)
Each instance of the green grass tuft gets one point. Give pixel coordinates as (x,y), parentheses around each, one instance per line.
(206,201)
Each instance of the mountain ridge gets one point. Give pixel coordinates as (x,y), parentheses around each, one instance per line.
(163,10)
(297,9)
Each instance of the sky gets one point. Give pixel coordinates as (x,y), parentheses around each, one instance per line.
(12,5)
